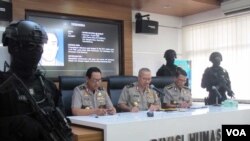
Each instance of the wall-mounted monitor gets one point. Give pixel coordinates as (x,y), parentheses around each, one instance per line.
(76,43)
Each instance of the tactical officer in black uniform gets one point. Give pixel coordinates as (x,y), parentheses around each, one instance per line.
(216,80)
(170,68)
(19,119)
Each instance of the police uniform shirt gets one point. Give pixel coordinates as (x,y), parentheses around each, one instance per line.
(174,95)
(132,97)
(84,98)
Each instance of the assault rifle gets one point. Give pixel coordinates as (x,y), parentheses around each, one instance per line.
(223,83)
(52,119)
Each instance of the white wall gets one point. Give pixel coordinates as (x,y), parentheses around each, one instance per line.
(148,50)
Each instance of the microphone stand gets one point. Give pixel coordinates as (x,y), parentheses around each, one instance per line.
(218,96)
(216,101)
(161,94)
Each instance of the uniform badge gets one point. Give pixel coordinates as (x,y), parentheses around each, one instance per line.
(150,93)
(135,104)
(173,102)
(99,94)
(85,94)
(100,98)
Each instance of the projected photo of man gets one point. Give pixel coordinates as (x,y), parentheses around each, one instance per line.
(52,51)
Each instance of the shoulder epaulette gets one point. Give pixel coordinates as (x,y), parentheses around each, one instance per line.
(82,87)
(130,85)
(185,87)
(170,86)
(101,88)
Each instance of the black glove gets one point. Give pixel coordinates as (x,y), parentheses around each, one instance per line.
(230,93)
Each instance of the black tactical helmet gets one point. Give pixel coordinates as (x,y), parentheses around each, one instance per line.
(169,52)
(213,55)
(24,31)
(25,40)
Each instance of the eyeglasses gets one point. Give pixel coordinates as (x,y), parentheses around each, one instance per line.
(181,80)
(96,80)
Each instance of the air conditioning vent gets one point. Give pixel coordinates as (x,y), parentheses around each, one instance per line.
(235,6)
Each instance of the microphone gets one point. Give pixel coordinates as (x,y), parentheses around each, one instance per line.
(217,92)
(157,90)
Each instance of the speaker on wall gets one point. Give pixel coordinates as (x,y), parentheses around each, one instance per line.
(146,26)
(5,11)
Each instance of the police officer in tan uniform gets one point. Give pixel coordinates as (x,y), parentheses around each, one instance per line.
(177,95)
(138,96)
(89,98)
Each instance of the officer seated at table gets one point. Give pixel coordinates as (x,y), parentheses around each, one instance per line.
(90,98)
(177,95)
(138,96)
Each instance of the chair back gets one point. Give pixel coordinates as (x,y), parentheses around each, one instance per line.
(66,86)
(160,82)
(115,86)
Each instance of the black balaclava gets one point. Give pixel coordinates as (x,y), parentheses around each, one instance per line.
(215,58)
(25,41)
(170,56)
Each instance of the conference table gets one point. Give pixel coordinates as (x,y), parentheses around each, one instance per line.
(174,124)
